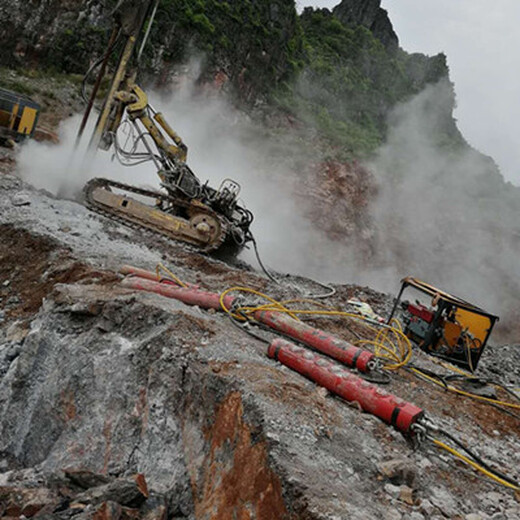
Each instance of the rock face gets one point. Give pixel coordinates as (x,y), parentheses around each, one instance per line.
(251,45)
(50,32)
(369,14)
(116,404)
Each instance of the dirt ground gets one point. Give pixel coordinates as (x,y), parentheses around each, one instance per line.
(31,266)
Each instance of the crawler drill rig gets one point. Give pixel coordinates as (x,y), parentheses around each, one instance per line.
(184,209)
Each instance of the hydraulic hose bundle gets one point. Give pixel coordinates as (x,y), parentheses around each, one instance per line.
(276,316)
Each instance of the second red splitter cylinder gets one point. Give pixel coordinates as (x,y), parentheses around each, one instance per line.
(333,347)
(372,399)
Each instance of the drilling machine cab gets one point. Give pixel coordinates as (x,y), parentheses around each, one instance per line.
(444,325)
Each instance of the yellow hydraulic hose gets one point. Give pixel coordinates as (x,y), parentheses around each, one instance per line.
(169,273)
(397,350)
(474,465)
(467,394)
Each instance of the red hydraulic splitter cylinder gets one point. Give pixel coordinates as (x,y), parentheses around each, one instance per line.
(190,296)
(333,347)
(149,275)
(325,343)
(372,399)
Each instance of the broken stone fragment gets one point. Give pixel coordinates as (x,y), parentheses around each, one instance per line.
(408,495)
(130,492)
(85,308)
(21,199)
(26,502)
(155,508)
(86,479)
(392,491)
(480,388)
(108,511)
(427,508)
(392,514)
(399,472)
(444,501)
(17,332)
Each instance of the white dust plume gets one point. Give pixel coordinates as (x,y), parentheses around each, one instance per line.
(444,213)
(64,169)
(223,143)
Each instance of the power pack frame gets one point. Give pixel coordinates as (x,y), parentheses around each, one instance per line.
(448,327)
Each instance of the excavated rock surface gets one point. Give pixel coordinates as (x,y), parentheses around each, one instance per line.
(116,404)
(348,189)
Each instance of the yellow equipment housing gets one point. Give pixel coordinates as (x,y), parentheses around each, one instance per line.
(18,116)
(450,328)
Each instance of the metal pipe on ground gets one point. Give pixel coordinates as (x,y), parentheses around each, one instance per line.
(320,340)
(372,399)
(187,295)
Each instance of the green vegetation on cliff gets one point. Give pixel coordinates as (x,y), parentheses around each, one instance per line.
(257,44)
(351,81)
(339,79)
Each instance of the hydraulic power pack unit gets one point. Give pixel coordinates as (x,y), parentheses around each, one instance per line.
(448,327)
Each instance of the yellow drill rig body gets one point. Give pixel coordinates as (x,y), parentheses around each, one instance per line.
(184,209)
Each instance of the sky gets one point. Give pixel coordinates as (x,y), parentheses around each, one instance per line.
(482,43)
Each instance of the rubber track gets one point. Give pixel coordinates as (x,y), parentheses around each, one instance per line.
(120,216)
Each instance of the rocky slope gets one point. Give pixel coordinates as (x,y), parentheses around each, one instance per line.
(99,384)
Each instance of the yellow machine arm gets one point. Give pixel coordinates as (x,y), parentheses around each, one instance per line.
(135,101)
(126,99)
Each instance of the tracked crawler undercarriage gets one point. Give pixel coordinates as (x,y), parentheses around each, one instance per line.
(191,222)
(176,218)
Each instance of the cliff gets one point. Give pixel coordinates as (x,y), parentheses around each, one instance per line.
(369,14)
(339,72)
(253,45)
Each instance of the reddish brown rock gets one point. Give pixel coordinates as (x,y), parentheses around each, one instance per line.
(108,511)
